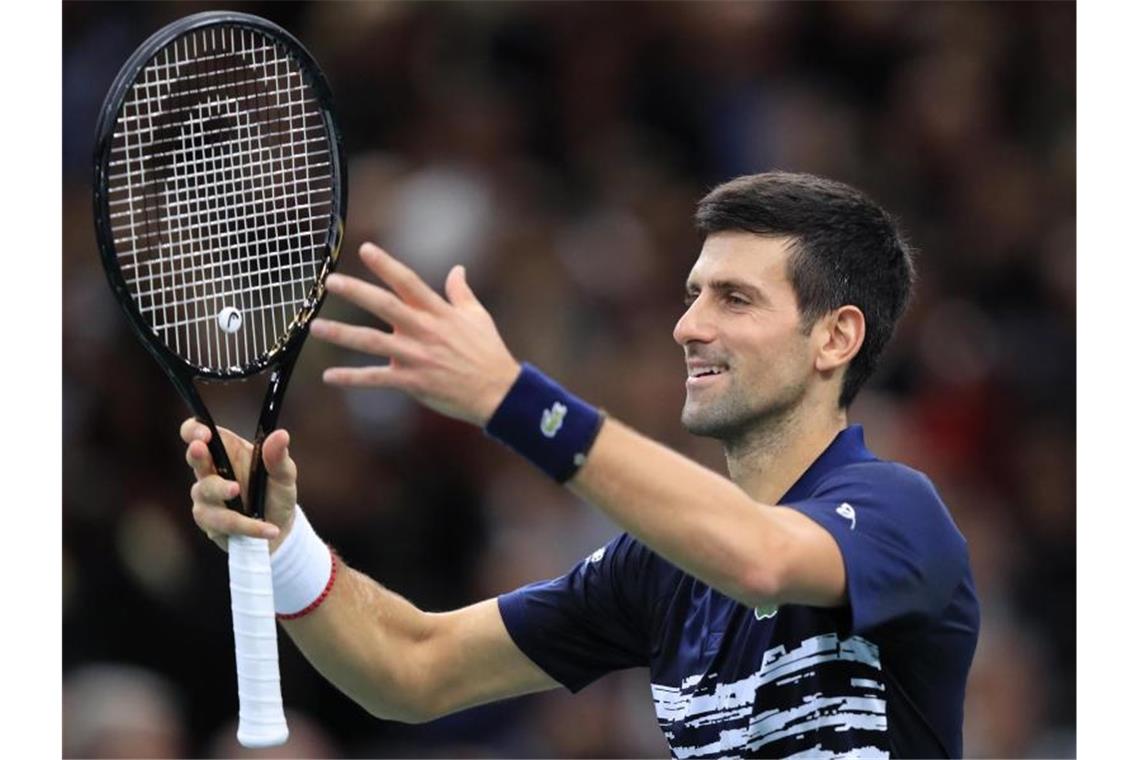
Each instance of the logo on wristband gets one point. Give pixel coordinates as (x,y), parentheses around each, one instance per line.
(552,419)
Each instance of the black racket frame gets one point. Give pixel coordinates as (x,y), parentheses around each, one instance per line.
(281,358)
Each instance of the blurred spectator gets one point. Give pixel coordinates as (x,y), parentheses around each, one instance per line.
(115,710)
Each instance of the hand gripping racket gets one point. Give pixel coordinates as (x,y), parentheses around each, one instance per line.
(220,194)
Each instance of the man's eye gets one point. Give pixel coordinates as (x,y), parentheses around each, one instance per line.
(689,299)
(736,300)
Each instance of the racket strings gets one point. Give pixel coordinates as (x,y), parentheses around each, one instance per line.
(221,195)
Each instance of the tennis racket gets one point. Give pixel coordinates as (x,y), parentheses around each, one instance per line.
(220,194)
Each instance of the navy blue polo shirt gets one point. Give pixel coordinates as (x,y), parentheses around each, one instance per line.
(884,675)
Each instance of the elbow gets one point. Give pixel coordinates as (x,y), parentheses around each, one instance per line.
(405,712)
(761,584)
(764,577)
(420,718)
(425,706)
(423,709)
(407,696)
(402,716)
(767,575)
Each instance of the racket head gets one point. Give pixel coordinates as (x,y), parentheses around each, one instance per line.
(177,169)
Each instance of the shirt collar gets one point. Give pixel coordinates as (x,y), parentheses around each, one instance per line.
(846,448)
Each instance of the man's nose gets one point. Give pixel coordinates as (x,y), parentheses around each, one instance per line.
(694,325)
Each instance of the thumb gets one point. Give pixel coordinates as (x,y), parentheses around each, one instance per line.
(275,453)
(457,289)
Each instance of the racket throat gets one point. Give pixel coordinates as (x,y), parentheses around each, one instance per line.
(266,424)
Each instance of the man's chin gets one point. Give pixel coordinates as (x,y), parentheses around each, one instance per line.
(701,423)
(722,421)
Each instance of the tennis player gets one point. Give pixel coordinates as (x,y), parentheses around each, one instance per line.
(817,603)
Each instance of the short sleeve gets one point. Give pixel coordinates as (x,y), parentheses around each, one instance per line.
(902,553)
(588,622)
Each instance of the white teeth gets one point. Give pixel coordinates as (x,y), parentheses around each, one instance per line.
(706,371)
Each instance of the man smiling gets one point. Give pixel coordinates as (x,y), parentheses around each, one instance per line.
(819,602)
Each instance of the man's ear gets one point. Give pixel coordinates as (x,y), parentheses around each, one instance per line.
(840,335)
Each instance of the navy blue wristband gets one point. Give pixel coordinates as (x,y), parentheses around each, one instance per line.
(547,424)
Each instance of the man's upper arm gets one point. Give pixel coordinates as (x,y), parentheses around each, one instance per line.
(813,573)
(470,659)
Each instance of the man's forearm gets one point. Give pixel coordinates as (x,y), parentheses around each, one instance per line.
(364,639)
(695,518)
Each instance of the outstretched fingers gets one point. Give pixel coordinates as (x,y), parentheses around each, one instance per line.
(365,377)
(367,340)
(458,291)
(401,278)
(376,300)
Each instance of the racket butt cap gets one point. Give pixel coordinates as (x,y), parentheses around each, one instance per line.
(272,737)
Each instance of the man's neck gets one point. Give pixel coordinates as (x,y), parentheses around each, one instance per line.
(768,461)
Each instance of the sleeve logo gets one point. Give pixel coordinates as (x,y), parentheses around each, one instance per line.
(552,419)
(847,511)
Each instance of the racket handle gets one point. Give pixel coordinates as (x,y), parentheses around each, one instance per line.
(261,716)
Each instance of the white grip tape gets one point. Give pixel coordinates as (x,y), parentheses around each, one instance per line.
(261,716)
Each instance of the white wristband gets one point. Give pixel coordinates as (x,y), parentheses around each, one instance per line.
(302,566)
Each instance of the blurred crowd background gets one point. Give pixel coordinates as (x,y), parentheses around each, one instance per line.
(558,150)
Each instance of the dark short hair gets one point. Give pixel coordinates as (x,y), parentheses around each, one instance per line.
(847,250)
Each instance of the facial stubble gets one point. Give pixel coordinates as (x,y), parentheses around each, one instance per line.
(736,416)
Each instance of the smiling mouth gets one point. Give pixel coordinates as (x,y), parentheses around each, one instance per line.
(704,374)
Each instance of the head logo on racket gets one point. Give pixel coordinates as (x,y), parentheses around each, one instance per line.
(229,319)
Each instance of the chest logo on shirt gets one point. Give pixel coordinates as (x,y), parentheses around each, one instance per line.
(848,511)
(765,612)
